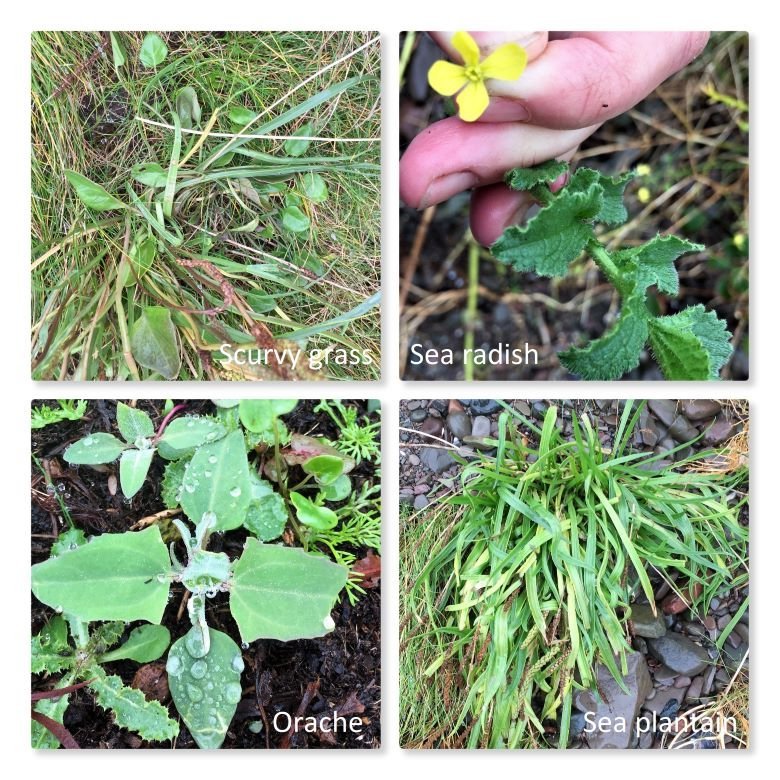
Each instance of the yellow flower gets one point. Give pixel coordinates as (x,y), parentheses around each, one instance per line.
(506,63)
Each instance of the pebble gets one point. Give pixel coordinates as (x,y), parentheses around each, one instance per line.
(421,488)
(708,680)
(743,631)
(646,740)
(734,639)
(732,656)
(435,459)
(432,427)
(660,701)
(701,409)
(664,410)
(523,408)
(418,415)
(413,459)
(645,622)
(679,653)
(420,502)
(663,674)
(482,406)
(481,426)
(438,405)
(709,622)
(459,424)
(694,692)
(412,405)
(682,681)
(405,498)
(720,431)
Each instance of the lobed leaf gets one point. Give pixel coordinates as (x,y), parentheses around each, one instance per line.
(652,263)
(612,211)
(527,178)
(266,517)
(283,592)
(50,651)
(555,237)
(691,345)
(114,577)
(94,449)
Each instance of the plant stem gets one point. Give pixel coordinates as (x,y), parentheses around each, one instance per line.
(470,318)
(607,265)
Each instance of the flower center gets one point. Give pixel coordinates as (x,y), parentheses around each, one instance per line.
(474,73)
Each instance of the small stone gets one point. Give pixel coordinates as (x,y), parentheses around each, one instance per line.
(152,680)
(459,424)
(664,410)
(482,406)
(694,692)
(720,431)
(723,621)
(743,631)
(700,409)
(405,499)
(539,409)
(709,679)
(413,460)
(436,459)
(709,623)
(732,656)
(418,415)
(432,427)
(481,426)
(523,408)
(420,502)
(438,405)
(423,487)
(645,622)
(682,681)
(734,639)
(663,674)
(411,405)
(661,700)
(433,412)
(646,740)
(679,653)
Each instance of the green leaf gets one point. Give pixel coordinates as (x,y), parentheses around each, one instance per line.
(133,468)
(141,255)
(326,469)
(555,237)
(67,541)
(114,577)
(266,517)
(526,178)
(691,345)
(283,593)
(295,147)
(50,651)
(170,493)
(615,353)
(187,107)
(150,174)
(117,52)
(318,517)
(149,719)
(145,643)
(205,686)
(315,188)
(92,195)
(93,449)
(217,480)
(155,343)
(338,490)
(134,424)
(239,115)
(652,263)
(184,434)
(153,51)
(612,211)
(258,415)
(304,448)
(294,220)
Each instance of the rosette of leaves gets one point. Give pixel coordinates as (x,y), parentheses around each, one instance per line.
(78,655)
(693,344)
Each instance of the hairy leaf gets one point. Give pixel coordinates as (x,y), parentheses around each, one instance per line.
(205,686)
(612,211)
(145,643)
(133,424)
(133,468)
(615,353)
(93,449)
(149,719)
(172,483)
(691,345)
(266,517)
(555,237)
(92,195)
(155,343)
(652,263)
(50,651)
(526,178)
(283,592)
(217,480)
(114,577)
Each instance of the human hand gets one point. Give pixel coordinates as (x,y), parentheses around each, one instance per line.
(573,83)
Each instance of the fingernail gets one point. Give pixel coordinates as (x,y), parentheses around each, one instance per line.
(446,186)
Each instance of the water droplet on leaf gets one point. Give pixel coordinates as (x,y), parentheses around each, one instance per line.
(173,666)
(233,692)
(198,670)
(237,664)
(194,693)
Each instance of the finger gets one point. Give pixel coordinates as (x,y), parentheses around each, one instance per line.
(587,78)
(495,207)
(452,156)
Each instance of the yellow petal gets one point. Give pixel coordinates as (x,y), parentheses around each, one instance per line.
(472,101)
(506,63)
(446,77)
(467,47)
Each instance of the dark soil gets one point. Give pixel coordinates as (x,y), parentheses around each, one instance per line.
(308,678)
(549,316)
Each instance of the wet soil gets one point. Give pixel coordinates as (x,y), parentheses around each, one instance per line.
(306,678)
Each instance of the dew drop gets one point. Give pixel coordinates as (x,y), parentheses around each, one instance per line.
(212,720)
(212,459)
(190,424)
(88,442)
(237,664)
(198,670)
(161,578)
(174,665)
(245,645)
(235,492)
(233,692)
(328,623)
(189,487)
(194,693)
(211,436)
(194,644)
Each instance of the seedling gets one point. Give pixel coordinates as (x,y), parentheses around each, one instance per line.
(690,345)
(44,415)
